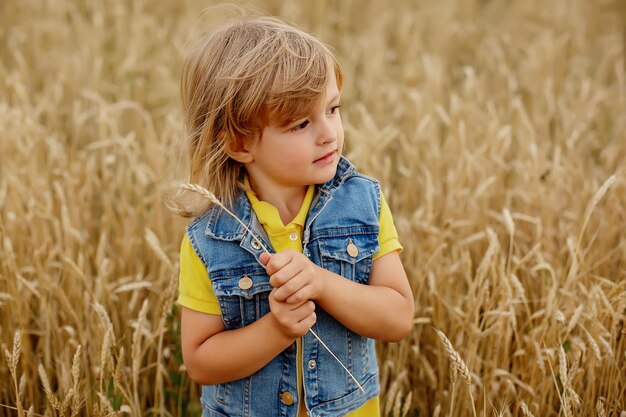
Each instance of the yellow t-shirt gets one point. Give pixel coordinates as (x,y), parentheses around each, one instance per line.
(196,292)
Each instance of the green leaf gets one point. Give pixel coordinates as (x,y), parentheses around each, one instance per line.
(567,346)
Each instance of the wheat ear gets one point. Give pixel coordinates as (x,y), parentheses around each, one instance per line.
(214,200)
(525,410)
(600,410)
(13,359)
(458,364)
(455,359)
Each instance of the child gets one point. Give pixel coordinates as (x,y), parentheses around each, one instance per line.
(261,103)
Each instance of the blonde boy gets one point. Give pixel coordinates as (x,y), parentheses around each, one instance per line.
(261,102)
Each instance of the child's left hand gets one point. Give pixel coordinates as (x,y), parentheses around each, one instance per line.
(294,276)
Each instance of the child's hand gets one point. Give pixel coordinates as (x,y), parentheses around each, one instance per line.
(293,319)
(294,277)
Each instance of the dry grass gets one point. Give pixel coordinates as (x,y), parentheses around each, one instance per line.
(495,127)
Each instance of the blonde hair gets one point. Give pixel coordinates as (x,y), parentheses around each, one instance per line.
(235,81)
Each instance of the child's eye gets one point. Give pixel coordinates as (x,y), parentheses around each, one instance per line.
(300,126)
(334,109)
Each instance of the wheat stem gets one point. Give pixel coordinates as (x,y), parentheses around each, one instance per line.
(336,358)
(452,398)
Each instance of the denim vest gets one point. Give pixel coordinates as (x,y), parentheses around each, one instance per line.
(344,212)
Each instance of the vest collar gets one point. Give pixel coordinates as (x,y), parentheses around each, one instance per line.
(223,226)
(345,170)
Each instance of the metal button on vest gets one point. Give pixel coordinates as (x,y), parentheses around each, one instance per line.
(312,364)
(286,397)
(293,236)
(245,283)
(352,250)
(256,244)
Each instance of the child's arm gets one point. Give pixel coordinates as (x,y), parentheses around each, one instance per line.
(381,310)
(214,356)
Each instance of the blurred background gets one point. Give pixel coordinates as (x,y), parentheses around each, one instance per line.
(496,128)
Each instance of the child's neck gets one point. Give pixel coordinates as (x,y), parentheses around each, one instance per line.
(287,200)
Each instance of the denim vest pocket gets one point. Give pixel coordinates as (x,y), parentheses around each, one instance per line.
(243,294)
(350,255)
(207,411)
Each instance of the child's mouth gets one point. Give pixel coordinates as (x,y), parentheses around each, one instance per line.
(328,158)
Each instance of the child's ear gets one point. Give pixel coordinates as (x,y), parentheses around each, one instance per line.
(239,150)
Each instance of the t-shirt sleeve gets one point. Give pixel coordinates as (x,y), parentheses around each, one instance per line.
(387,235)
(194,286)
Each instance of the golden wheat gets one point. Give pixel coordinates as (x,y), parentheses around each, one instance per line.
(600,410)
(495,128)
(457,365)
(525,410)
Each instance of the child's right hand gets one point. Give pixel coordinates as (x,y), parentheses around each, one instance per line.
(294,320)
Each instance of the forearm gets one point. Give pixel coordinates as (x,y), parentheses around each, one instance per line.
(377,312)
(235,354)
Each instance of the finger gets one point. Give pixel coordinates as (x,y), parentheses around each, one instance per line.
(309,287)
(305,324)
(285,274)
(299,288)
(299,296)
(265,258)
(300,328)
(288,290)
(276,304)
(290,320)
(301,312)
(278,261)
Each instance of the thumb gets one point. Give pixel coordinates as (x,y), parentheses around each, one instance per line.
(265,258)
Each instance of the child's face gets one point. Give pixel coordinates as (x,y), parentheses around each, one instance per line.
(302,153)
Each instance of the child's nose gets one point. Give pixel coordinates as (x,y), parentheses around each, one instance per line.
(328,132)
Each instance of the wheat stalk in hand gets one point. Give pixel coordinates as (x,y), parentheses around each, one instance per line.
(214,200)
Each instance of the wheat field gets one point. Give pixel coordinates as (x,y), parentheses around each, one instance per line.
(495,127)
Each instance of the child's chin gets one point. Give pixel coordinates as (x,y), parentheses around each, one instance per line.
(327,177)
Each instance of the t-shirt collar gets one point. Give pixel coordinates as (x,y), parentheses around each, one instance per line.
(268,215)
